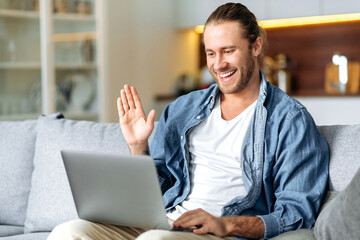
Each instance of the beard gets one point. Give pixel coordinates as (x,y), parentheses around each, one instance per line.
(246,73)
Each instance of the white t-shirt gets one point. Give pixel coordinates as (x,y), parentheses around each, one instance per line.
(215,165)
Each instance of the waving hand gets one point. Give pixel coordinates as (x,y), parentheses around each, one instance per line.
(135,126)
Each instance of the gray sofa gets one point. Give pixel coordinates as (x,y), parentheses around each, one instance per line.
(34,192)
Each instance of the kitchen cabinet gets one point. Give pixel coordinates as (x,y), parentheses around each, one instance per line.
(195,12)
(49,54)
(278,9)
(345,6)
(190,13)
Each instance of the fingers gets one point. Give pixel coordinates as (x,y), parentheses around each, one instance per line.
(120,107)
(129,96)
(124,101)
(204,222)
(191,218)
(151,118)
(136,98)
(200,231)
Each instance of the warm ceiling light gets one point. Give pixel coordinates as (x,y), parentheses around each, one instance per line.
(300,21)
(199,29)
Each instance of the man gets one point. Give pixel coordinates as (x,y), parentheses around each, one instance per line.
(239,159)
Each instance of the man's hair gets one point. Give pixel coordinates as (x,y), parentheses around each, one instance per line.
(236,12)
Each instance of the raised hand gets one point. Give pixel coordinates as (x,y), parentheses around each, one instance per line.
(135,127)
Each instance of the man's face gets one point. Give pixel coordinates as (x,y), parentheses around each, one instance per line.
(229,58)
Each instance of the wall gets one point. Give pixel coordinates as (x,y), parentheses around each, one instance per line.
(332,110)
(143,49)
(194,12)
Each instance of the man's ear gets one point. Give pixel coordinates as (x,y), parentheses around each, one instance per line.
(257,47)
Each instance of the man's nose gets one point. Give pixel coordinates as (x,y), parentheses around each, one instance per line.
(220,63)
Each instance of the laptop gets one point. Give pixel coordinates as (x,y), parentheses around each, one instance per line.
(116,189)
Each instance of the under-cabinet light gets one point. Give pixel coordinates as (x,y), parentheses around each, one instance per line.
(300,21)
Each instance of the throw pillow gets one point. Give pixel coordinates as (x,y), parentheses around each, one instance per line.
(341,217)
(50,201)
(17,144)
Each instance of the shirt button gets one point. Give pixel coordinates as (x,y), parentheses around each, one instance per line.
(182,137)
(198,117)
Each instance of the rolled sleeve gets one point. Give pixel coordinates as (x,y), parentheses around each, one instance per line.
(273,225)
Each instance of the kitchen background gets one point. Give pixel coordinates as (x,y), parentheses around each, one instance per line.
(75,55)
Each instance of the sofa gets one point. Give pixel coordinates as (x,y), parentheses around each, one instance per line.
(34,191)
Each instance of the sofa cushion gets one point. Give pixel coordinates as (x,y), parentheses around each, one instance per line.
(301,234)
(29,236)
(341,217)
(344,147)
(9,230)
(50,201)
(17,144)
(328,198)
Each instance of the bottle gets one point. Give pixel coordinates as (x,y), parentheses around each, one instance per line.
(10,55)
(87,51)
(282,73)
(268,67)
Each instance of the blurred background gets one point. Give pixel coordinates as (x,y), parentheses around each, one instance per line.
(74,56)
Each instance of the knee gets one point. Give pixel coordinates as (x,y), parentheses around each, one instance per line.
(68,230)
(156,235)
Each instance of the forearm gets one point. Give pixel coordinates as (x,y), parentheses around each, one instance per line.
(244,226)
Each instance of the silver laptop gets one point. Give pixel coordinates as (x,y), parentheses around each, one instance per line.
(116,189)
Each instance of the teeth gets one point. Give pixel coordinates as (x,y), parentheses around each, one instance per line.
(227,74)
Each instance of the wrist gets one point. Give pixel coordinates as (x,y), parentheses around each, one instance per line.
(244,226)
(229,225)
(139,149)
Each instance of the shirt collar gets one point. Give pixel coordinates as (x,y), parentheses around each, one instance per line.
(215,91)
(263,88)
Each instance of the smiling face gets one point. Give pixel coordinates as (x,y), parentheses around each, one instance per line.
(229,58)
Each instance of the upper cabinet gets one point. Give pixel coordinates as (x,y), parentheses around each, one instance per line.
(48,58)
(195,12)
(277,9)
(344,6)
(190,13)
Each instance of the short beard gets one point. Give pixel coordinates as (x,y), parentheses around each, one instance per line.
(244,78)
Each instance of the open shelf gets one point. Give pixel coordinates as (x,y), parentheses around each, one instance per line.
(320,93)
(37,66)
(70,66)
(73,17)
(11,13)
(20,65)
(67,44)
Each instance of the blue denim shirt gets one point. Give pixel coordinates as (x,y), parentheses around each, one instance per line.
(284,158)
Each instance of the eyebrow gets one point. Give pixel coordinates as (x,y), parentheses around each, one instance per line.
(223,48)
